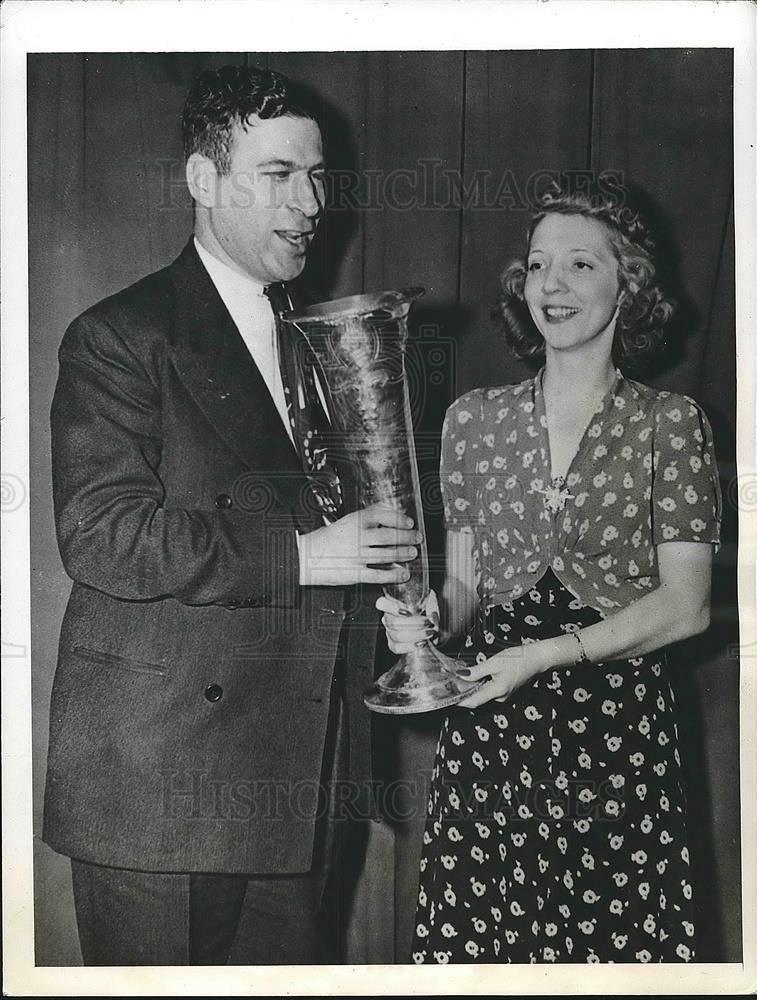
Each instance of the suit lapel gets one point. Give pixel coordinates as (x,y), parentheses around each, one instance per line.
(218,371)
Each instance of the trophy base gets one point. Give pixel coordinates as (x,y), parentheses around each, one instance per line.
(421,681)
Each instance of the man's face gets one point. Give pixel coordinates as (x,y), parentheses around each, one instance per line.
(266,210)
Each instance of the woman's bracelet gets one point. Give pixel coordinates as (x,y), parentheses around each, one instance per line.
(583,658)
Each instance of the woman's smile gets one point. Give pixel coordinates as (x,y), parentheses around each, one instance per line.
(559,314)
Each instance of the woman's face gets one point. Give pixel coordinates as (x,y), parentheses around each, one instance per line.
(571,286)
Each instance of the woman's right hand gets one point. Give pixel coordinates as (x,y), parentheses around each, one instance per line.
(404,630)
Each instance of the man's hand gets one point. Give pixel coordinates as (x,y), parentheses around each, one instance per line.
(347,551)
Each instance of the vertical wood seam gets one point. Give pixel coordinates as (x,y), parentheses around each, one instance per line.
(145,185)
(705,346)
(361,167)
(461,167)
(83,191)
(591,158)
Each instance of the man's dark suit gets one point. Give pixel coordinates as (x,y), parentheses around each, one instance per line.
(191,700)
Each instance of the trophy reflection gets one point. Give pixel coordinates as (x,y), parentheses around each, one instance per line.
(359,343)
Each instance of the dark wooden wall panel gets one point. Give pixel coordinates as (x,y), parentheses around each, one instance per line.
(666,123)
(525,115)
(413,116)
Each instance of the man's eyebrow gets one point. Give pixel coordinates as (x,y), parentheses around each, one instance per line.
(289,165)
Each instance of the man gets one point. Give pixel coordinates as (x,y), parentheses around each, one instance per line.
(211,656)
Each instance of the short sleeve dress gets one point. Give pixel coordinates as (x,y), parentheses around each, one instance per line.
(556,829)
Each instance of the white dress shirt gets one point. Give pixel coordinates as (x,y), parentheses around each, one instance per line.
(251,311)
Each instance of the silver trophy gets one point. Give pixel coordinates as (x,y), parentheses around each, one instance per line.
(359,343)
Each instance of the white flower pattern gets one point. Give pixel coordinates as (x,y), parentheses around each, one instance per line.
(573,798)
(662,488)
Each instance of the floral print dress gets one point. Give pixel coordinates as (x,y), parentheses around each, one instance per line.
(556,828)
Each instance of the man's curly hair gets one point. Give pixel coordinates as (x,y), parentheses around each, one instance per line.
(223,98)
(644,309)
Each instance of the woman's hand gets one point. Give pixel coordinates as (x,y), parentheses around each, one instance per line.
(404,630)
(509,669)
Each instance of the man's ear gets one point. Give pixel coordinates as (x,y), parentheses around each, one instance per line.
(202,178)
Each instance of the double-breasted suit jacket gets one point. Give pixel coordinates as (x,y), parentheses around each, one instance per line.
(191,699)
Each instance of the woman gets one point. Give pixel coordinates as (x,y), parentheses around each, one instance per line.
(581,509)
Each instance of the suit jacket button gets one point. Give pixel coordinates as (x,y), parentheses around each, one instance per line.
(214,692)
(223,501)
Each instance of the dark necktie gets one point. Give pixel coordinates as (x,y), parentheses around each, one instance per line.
(310,425)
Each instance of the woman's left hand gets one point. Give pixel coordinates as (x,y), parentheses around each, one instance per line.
(404,630)
(509,669)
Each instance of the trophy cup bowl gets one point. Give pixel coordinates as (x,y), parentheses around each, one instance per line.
(359,345)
